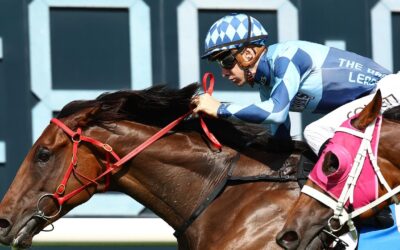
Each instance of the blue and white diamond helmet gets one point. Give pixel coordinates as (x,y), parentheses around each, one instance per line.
(232,32)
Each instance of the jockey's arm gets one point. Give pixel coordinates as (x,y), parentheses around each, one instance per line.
(275,107)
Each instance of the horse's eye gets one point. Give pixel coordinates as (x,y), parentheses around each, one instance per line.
(331,163)
(43,155)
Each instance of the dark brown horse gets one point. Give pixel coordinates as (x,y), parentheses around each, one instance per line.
(173,176)
(309,216)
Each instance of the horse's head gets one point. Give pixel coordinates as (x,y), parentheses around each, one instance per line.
(309,216)
(30,204)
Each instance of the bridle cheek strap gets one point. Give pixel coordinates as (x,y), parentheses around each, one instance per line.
(328,201)
(76,138)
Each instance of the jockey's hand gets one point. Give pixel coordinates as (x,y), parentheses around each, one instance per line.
(205,104)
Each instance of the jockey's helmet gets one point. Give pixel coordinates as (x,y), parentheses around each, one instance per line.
(234,31)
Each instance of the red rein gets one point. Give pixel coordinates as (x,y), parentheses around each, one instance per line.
(209,90)
(77,137)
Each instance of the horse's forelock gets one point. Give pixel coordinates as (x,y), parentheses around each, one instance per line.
(75,107)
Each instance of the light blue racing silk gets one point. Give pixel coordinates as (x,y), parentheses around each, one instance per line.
(303,76)
(388,239)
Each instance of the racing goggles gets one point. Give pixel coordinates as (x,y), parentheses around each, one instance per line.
(228,61)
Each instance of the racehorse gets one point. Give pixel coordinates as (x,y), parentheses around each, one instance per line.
(319,208)
(181,176)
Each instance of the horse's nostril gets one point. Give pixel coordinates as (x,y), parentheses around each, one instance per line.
(290,236)
(4,223)
(288,240)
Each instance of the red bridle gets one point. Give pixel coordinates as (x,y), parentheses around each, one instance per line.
(77,137)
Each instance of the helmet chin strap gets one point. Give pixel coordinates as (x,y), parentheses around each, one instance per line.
(246,65)
(249,77)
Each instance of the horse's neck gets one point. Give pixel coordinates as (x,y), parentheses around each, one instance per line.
(176,173)
(172,175)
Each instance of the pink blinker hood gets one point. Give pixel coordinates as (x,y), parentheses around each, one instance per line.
(345,147)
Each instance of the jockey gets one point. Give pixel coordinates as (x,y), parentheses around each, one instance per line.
(295,76)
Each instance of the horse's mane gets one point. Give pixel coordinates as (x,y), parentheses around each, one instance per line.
(159,105)
(392,114)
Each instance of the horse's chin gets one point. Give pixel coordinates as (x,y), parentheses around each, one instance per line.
(23,238)
(318,242)
(315,244)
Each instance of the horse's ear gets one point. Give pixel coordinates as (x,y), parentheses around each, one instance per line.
(369,113)
(85,117)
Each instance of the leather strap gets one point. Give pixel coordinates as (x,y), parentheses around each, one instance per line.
(248,64)
(209,90)
(208,200)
